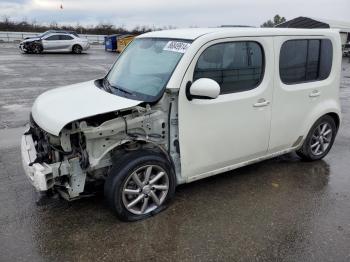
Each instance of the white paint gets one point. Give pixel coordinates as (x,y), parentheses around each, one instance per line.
(56,108)
(205,87)
(227,132)
(219,134)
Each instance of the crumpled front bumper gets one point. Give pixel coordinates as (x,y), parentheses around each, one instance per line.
(21,46)
(39,174)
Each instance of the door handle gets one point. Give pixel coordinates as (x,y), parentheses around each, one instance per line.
(315,93)
(261,103)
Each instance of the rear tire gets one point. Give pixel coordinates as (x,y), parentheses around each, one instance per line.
(77,49)
(320,139)
(140,184)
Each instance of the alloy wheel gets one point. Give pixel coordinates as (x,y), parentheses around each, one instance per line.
(77,49)
(145,189)
(36,49)
(321,139)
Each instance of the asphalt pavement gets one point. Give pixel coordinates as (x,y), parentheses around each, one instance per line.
(277,210)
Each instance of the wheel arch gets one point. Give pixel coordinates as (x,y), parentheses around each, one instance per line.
(76,44)
(334,113)
(122,146)
(335,117)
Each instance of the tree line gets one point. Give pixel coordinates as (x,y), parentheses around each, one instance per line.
(6,24)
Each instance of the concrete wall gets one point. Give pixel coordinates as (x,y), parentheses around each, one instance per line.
(19,36)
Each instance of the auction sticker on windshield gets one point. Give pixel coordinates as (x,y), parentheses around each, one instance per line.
(176,46)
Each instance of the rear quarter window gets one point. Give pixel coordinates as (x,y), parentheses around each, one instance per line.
(305,60)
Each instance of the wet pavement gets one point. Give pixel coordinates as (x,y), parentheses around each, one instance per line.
(278,210)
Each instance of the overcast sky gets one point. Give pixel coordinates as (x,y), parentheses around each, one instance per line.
(179,13)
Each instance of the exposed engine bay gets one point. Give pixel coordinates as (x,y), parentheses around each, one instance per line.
(84,151)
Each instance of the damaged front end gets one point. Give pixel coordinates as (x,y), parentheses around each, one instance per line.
(51,164)
(85,149)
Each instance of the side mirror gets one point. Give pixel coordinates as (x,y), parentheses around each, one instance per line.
(203,88)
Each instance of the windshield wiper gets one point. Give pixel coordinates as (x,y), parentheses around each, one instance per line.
(107,85)
(121,89)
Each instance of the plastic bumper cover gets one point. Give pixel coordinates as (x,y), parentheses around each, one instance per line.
(39,174)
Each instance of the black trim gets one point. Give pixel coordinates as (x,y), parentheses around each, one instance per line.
(169,119)
(188,93)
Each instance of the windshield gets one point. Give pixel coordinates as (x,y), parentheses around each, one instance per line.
(145,67)
(45,33)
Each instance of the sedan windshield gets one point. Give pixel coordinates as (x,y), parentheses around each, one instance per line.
(145,67)
(45,33)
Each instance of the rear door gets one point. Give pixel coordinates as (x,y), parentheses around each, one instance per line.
(217,134)
(302,65)
(66,42)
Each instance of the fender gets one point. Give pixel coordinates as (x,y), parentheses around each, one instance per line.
(327,107)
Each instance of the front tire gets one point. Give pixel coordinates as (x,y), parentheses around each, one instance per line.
(141,184)
(36,49)
(320,139)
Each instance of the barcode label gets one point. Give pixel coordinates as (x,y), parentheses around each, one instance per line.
(175,46)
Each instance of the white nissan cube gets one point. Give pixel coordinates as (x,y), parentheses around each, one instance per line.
(182,105)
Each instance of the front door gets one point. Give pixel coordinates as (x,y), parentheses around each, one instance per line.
(222,133)
(51,42)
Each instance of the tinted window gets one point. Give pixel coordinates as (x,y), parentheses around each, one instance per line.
(305,60)
(65,37)
(53,37)
(236,66)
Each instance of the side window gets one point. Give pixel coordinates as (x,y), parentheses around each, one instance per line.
(65,37)
(236,66)
(305,60)
(52,38)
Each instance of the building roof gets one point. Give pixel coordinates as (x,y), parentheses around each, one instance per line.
(193,33)
(309,22)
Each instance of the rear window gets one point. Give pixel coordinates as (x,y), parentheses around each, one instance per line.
(305,60)
(52,38)
(65,37)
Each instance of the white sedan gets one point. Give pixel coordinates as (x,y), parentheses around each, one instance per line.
(55,42)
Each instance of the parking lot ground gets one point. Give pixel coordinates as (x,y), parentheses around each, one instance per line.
(277,210)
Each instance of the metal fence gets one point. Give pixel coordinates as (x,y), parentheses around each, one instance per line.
(9,37)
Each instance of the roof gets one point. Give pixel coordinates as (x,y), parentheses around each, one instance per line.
(310,22)
(193,33)
(342,25)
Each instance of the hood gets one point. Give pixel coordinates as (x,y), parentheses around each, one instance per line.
(30,39)
(56,108)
